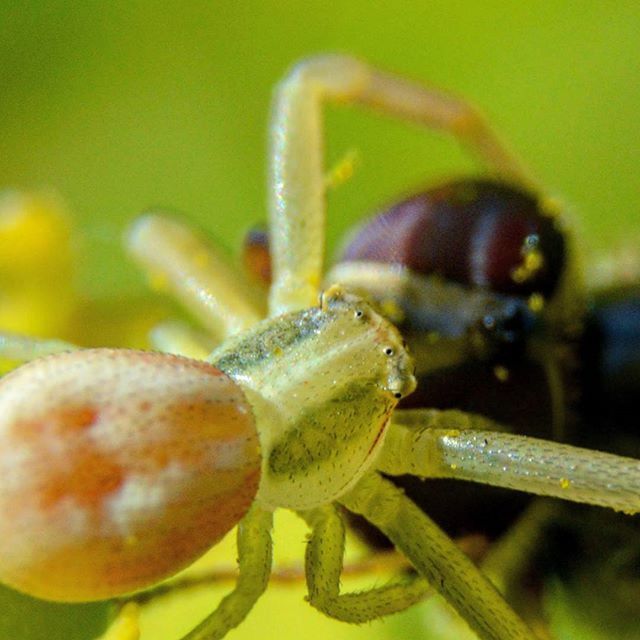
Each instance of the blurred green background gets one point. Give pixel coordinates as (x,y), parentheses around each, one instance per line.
(121,106)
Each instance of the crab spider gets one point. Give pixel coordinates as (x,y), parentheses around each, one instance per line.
(120,467)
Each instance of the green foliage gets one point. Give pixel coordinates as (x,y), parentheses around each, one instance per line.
(25,618)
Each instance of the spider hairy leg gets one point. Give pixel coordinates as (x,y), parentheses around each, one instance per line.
(436,558)
(297,182)
(254,564)
(324,566)
(178,261)
(254,547)
(450,444)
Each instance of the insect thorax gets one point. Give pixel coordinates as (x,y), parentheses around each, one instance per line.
(322,383)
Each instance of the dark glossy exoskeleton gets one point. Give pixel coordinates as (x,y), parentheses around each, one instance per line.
(589,559)
(489,297)
(610,372)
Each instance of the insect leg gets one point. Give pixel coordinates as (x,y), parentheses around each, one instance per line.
(450,444)
(324,565)
(254,564)
(297,182)
(507,559)
(14,346)
(436,558)
(180,262)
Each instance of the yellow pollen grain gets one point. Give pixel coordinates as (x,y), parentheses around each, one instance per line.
(343,170)
(501,373)
(536,302)
(565,483)
(453,467)
(533,260)
(519,274)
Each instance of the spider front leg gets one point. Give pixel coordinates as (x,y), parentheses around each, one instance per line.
(297,183)
(451,444)
(254,546)
(324,565)
(178,261)
(436,558)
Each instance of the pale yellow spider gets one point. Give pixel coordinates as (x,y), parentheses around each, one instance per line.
(121,467)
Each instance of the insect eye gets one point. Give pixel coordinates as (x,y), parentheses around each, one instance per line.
(388,351)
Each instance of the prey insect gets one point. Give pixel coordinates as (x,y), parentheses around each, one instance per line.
(121,467)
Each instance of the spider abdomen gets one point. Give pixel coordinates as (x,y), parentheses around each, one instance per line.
(128,467)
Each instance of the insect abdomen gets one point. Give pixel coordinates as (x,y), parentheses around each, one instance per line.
(476,232)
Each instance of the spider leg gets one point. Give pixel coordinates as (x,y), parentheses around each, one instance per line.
(181,263)
(436,558)
(324,565)
(297,182)
(254,565)
(451,444)
(14,346)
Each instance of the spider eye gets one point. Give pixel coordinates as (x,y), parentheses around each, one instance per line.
(359,313)
(388,351)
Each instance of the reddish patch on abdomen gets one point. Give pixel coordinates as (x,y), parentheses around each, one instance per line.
(78,472)
(86,480)
(60,421)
